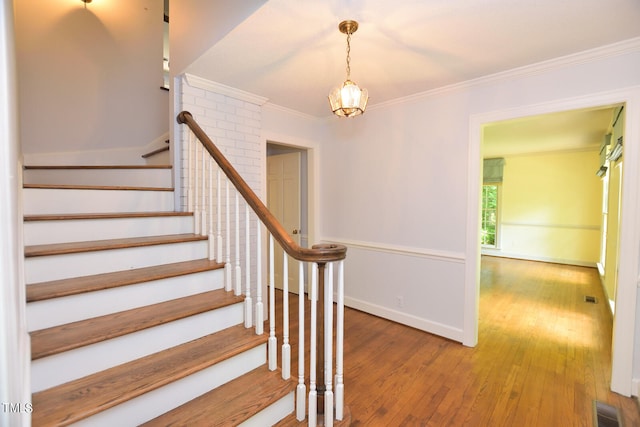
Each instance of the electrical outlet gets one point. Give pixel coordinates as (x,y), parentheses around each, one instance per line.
(400,301)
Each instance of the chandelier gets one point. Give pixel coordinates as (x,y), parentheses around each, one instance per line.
(348,100)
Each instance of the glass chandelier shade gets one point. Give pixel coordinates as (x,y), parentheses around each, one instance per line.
(348,100)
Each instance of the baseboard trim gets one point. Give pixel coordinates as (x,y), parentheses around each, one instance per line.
(405,319)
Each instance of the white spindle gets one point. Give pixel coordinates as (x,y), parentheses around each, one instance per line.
(259,305)
(238,270)
(196,207)
(339,396)
(286,347)
(273,342)
(200,201)
(301,390)
(328,346)
(219,216)
(227,265)
(313,393)
(248,303)
(190,145)
(212,243)
(203,188)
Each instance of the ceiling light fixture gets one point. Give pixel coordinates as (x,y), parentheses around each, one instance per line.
(85,2)
(348,100)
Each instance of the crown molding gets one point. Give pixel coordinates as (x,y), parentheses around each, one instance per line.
(291,112)
(229,91)
(591,55)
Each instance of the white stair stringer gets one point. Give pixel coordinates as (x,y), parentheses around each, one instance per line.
(60,368)
(39,201)
(72,308)
(160,177)
(64,266)
(43,232)
(172,395)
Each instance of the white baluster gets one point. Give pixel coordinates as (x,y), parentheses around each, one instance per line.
(273,342)
(219,216)
(238,270)
(339,397)
(196,207)
(286,347)
(328,346)
(203,189)
(212,243)
(227,265)
(313,393)
(259,305)
(190,146)
(248,303)
(301,390)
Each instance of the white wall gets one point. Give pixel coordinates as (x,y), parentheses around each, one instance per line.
(399,186)
(89,79)
(196,25)
(398,180)
(15,396)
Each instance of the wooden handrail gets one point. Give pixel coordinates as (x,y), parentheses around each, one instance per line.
(321,253)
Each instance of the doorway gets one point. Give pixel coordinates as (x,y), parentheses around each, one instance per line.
(287,199)
(628,268)
(552,211)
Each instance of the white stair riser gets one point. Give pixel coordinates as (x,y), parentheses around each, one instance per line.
(55,267)
(73,364)
(57,311)
(157,402)
(78,230)
(272,414)
(38,201)
(159,178)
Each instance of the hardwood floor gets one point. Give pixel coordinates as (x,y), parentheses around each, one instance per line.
(543,357)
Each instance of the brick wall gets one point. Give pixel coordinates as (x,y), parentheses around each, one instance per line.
(234,125)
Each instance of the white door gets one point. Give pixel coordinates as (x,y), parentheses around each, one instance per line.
(283,200)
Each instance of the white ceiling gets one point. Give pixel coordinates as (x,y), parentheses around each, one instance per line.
(292,53)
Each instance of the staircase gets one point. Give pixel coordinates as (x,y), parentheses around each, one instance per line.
(129,320)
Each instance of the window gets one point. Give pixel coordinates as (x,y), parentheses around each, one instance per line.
(489,227)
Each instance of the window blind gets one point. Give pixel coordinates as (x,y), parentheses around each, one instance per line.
(492,170)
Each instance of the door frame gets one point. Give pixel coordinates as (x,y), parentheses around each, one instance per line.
(624,322)
(311,188)
(301,196)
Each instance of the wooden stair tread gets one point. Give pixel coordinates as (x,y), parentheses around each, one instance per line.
(57,339)
(100,245)
(93,167)
(78,399)
(78,285)
(95,187)
(116,215)
(231,403)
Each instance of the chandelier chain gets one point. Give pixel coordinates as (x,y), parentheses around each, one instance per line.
(348,55)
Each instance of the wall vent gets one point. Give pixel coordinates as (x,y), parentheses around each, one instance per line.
(605,415)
